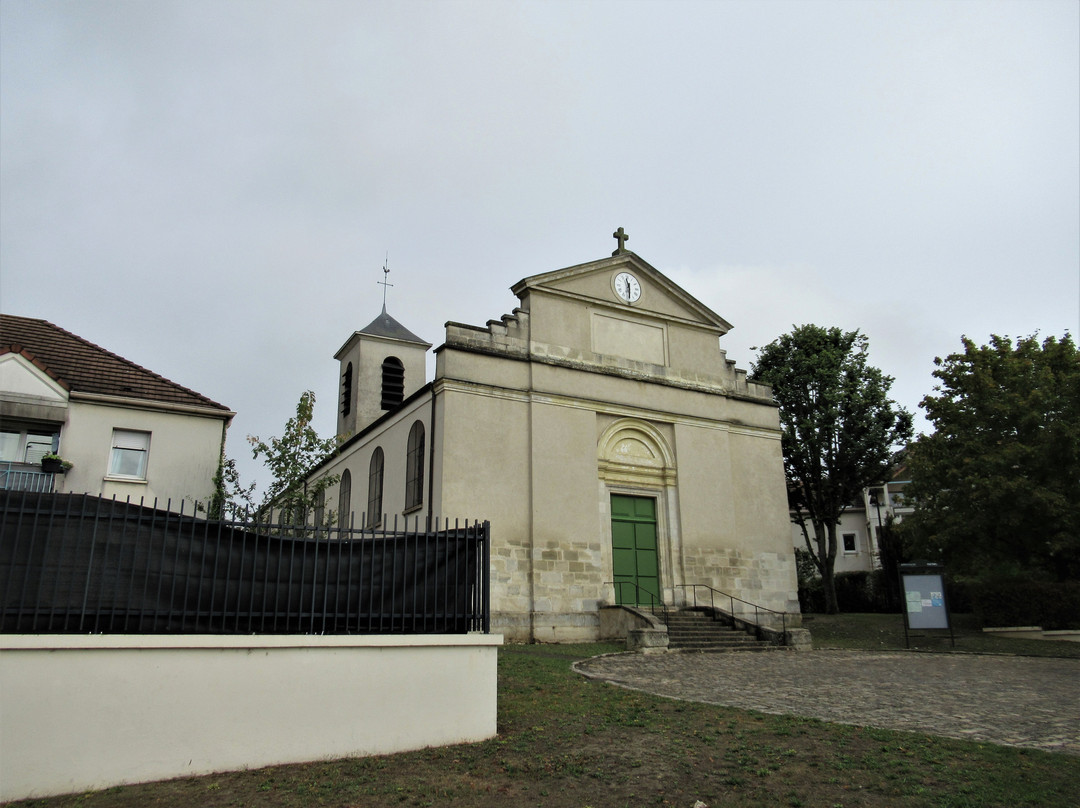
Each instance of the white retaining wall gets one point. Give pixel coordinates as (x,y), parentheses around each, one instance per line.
(81,712)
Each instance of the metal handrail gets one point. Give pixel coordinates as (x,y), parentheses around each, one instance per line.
(731,604)
(654,601)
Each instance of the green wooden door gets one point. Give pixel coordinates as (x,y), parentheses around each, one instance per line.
(634,559)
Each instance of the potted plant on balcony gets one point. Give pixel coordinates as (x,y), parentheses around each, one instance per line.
(54,464)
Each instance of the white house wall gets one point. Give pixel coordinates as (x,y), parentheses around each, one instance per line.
(185,450)
(863,559)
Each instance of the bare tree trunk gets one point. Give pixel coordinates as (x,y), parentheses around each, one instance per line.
(828,577)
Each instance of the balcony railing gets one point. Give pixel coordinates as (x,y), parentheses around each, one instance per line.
(23,477)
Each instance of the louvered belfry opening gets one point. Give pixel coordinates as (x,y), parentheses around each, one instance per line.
(393,382)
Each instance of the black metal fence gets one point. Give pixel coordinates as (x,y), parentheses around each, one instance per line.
(74,563)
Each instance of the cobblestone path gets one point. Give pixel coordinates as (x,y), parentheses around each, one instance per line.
(1014,701)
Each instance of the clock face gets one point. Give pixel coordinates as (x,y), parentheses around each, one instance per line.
(627,287)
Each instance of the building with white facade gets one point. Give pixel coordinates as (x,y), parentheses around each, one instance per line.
(120,429)
(859,532)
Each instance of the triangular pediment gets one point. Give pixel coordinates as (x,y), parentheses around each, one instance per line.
(21,379)
(594,282)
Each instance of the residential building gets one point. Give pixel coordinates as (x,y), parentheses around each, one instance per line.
(124,430)
(859,533)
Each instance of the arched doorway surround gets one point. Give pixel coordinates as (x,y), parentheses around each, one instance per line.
(635,463)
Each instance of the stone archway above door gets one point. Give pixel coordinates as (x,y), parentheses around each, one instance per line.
(633,452)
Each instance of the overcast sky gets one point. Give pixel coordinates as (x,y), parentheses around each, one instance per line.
(210,188)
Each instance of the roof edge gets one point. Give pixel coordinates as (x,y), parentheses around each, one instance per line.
(153,404)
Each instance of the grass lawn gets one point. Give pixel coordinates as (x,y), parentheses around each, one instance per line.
(880,632)
(568,742)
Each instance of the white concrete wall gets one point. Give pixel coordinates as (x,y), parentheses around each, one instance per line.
(88,712)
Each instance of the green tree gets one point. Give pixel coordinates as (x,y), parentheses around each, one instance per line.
(996,486)
(290,460)
(839,430)
(231,499)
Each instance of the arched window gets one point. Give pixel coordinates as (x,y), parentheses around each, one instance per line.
(344,500)
(346,390)
(414,467)
(393,382)
(374,496)
(320,508)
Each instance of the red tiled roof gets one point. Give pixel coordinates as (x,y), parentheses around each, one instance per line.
(81,366)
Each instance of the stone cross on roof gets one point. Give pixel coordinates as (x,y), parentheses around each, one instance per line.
(622,238)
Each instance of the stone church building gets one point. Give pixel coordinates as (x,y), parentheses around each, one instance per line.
(616,450)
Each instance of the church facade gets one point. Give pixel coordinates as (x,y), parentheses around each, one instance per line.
(617,452)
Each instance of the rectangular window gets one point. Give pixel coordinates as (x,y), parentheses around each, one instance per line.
(9,446)
(130,451)
(849,542)
(28,443)
(37,446)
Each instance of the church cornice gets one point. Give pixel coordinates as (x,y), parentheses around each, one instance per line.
(644,376)
(733,427)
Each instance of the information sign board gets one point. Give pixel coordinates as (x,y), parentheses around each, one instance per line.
(924,600)
(925,607)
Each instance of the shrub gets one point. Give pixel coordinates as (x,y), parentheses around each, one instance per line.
(958,595)
(811,596)
(859,591)
(854,592)
(1025,602)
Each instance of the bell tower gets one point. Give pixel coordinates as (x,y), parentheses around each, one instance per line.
(381,365)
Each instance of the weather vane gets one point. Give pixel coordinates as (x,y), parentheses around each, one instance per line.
(384,282)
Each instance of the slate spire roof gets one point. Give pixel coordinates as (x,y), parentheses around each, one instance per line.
(386,326)
(81,366)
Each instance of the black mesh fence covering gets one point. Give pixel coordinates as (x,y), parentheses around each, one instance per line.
(74,563)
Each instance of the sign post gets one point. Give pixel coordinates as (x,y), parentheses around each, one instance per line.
(925,607)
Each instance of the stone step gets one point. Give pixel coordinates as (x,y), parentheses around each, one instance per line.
(698,626)
(696,631)
(717,629)
(691,616)
(720,635)
(711,640)
(695,623)
(726,635)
